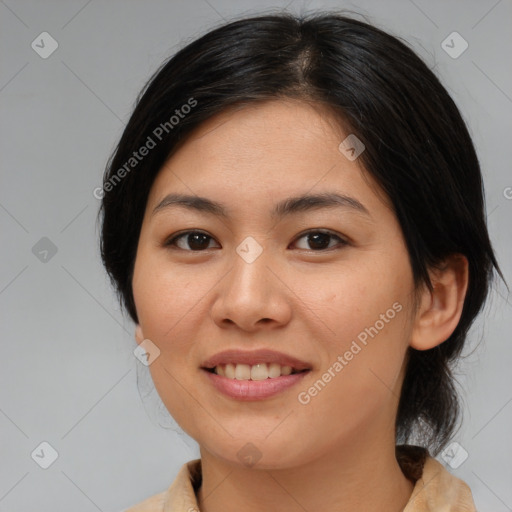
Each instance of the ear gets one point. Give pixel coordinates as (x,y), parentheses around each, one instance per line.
(439,310)
(139,336)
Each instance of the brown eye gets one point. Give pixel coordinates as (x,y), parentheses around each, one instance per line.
(320,240)
(196,241)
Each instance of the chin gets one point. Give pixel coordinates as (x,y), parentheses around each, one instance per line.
(256,452)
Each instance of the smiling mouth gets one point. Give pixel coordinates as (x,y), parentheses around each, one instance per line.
(260,371)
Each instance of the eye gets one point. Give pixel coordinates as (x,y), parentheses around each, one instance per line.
(196,240)
(320,240)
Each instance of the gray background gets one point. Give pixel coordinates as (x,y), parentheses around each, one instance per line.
(68,374)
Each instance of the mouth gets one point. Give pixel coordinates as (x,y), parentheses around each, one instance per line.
(259,371)
(254,375)
(254,365)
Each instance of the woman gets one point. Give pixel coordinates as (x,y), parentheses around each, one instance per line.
(294,220)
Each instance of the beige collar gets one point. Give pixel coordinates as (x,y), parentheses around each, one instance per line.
(436,490)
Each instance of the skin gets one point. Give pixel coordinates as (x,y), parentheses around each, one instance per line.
(337,452)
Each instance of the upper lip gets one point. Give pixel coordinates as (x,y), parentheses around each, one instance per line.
(255,357)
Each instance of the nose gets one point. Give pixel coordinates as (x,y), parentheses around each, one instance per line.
(252,296)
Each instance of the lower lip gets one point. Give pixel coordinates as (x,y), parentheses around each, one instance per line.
(248,390)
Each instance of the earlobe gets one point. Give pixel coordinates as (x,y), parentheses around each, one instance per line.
(440,309)
(139,336)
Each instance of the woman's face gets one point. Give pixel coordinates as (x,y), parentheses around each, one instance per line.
(324,288)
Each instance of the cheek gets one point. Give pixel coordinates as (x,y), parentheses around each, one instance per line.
(165,296)
(169,306)
(361,374)
(352,299)
(366,314)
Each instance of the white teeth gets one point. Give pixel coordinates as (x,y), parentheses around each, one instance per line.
(229,371)
(259,371)
(242,372)
(274,370)
(286,370)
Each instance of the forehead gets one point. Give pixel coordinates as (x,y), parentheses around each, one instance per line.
(268,131)
(263,151)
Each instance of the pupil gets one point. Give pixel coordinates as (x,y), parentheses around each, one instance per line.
(197,241)
(319,240)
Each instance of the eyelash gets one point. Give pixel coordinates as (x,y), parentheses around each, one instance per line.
(171,242)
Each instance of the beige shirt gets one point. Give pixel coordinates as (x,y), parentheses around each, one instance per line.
(435,490)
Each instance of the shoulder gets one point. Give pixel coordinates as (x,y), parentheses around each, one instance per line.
(442,489)
(435,487)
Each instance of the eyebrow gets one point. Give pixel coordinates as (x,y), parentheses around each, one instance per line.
(285,207)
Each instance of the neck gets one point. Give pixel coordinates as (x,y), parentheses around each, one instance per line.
(362,476)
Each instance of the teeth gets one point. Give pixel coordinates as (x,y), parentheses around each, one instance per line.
(274,370)
(242,372)
(229,371)
(259,371)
